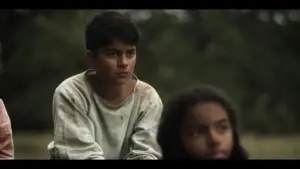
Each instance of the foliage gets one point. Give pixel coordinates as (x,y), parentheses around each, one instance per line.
(253,55)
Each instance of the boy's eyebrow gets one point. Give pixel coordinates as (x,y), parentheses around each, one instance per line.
(115,49)
(131,50)
(112,49)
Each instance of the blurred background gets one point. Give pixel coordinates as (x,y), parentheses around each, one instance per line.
(251,54)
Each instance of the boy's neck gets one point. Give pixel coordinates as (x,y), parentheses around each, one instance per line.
(114,94)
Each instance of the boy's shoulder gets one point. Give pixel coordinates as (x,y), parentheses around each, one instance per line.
(146,92)
(72,84)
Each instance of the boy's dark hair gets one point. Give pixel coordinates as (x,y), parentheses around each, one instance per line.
(108,26)
(176,110)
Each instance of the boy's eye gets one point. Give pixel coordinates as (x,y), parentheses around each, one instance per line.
(112,53)
(130,54)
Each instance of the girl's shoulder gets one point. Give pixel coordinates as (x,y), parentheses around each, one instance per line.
(2,107)
(3,112)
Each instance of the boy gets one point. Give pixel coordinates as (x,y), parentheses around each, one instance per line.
(106,112)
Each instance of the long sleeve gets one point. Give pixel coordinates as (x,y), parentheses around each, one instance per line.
(73,130)
(6,137)
(143,141)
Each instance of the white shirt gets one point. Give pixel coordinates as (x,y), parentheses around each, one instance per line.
(86,127)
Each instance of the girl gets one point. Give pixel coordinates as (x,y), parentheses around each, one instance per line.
(199,123)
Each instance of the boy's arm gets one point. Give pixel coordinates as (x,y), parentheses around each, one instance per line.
(143,141)
(73,130)
(6,137)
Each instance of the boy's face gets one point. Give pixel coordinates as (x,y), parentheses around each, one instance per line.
(207,133)
(115,62)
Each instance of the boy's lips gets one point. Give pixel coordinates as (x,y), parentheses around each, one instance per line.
(122,74)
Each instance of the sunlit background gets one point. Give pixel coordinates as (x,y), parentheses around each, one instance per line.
(254,55)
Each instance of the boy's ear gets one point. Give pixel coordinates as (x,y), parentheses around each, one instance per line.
(90,59)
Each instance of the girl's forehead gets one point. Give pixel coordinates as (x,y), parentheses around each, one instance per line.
(207,113)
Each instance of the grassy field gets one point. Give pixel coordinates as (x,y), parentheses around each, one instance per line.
(34,146)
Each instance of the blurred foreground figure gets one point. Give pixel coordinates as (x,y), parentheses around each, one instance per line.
(199,123)
(106,112)
(6,137)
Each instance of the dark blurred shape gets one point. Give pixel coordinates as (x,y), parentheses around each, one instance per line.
(0,52)
(0,58)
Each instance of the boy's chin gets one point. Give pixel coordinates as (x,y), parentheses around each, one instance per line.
(121,81)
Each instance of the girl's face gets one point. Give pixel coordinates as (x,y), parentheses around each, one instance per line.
(206,132)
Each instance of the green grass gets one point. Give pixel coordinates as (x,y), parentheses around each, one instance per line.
(34,146)
(275,147)
(31,145)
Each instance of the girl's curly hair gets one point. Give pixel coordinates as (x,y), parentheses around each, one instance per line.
(176,110)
